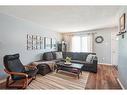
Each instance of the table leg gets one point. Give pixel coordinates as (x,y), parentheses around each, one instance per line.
(81,72)
(57,70)
(78,76)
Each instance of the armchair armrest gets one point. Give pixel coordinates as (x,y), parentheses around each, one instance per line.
(16,73)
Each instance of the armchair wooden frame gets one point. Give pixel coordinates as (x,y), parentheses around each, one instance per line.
(23,82)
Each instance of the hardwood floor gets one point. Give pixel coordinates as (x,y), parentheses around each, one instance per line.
(105,78)
(60,80)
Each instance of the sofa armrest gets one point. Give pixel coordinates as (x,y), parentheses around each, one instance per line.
(91,66)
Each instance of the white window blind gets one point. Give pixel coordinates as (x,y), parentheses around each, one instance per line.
(81,43)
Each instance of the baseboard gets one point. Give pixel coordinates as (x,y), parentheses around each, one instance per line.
(105,64)
(120,84)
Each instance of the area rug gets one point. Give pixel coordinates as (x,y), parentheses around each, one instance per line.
(60,80)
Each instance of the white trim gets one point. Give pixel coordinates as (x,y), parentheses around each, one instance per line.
(106,64)
(120,83)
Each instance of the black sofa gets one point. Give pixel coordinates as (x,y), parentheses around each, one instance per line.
(77,57)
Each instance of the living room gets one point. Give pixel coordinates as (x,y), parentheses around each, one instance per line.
(87,36)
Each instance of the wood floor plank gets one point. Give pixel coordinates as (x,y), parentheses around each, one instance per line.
(105,78)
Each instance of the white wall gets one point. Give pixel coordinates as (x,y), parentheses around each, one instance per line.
(13,39)
(122,52)
(104,49)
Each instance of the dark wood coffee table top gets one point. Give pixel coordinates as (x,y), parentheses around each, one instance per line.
(75,68)
(73,65)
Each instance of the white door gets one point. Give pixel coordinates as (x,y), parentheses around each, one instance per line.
(114,48)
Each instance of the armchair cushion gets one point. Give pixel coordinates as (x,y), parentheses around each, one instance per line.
(13,64)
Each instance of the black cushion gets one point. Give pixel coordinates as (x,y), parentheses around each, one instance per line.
(13,64)
(54,55)
(48,56)
(76,56)
(67,54)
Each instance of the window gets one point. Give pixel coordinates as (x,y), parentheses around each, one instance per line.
(76,44)
(81,44)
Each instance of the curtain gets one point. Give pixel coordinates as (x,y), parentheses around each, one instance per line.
(68,40)
(90,42)
(89,37)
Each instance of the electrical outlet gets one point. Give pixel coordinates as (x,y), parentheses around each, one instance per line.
(103,59)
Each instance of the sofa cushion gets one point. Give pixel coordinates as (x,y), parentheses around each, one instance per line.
(54,55)
(94,58)
(90,58)
(85,54)
(48,56)
(59,55)
(76,56)
(67,54)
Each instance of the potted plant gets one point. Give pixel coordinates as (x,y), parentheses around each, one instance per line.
(68,60)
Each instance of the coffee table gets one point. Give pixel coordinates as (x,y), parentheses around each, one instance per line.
(74,68)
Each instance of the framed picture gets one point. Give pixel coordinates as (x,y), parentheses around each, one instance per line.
(54,43)
(47,43)
(34,37)
(41,42)
(29,42)
(122,23)
(38,42)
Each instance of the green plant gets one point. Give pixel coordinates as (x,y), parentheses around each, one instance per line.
(68,59)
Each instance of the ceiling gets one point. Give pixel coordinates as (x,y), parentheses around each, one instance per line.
(66,18)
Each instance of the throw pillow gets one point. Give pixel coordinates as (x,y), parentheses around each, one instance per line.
(59,55)
(90,57)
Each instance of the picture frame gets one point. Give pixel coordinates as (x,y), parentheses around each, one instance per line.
(122,23)
(41,42)
(54,43)
(34,37)
(47,43)
(37,42)
(29,42)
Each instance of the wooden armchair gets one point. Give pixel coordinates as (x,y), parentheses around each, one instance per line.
(19,75)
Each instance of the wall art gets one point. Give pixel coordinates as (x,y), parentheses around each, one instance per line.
(47,43)
(29,42)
